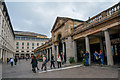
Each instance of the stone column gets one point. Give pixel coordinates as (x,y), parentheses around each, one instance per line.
(1,53)
(69,48)
(57,50)
(47,53)
(6,56)
(50,53)
(101,44)
(63,50)
(88,47)
(108,48)
(75,50)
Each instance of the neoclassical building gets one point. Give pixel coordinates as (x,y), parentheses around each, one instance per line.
(73,37)
(26,42)
(6,34)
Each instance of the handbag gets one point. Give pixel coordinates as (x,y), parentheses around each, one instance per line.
(96,57)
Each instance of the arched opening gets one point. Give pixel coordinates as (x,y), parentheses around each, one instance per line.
(60,43)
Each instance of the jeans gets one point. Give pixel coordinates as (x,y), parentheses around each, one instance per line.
(59,64)
(44,65)
(87,61)
(12,64)
(52,63)
(101,61)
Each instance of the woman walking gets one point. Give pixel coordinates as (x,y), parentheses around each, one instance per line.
(59,61)
(101,57)
(34,64)
(44,63)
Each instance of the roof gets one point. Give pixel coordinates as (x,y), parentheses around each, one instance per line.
(65,18)
(28,33)
(7,15)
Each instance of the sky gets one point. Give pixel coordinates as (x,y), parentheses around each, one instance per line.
(39,16)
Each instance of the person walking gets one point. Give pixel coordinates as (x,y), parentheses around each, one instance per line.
(52,61)
(15,60)
(11,62)
(34,64)
(44,63)
(61,55)
(87,58)
(96,56)
(59,61)
(8,60)
(101,57)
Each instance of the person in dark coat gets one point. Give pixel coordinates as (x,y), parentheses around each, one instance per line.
(52,62)
(15,60)
(34,64)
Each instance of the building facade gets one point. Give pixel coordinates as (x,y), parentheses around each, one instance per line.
(73,37)
(26,42)
(6,34)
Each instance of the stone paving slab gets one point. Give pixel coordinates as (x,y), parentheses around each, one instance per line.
(23,70)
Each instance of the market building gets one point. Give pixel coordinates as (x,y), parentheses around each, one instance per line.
(73,37)
(6,34)
(26,42)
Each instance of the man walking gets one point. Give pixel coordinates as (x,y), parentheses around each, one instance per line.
(52,62)
(11,62)
(34,64)
(87,58)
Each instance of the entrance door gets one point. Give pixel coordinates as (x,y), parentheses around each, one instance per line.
(93,48)
(116,53)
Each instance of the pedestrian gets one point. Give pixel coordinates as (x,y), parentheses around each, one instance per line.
(52,61)
(59,61)
(34,64)
(87,58)
(15,60)
(96,56)
(61,55)
(8,60)
(83,56)
(11,62)
(101,57)
(44,63)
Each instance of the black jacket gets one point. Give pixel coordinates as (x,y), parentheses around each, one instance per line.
(34,63)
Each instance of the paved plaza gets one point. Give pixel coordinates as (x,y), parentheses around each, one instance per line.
(23,70)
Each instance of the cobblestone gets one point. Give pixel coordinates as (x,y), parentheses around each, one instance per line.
(23,70)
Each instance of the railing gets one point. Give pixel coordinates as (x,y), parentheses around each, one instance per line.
(103,15)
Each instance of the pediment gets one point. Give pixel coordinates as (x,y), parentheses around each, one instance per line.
(59,21)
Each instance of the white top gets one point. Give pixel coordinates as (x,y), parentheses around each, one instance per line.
(59,59)
(11,60)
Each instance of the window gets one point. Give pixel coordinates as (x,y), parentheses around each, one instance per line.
(22,43)
(37,44)
(33,38)
(32,44)
(17,47)
(17,51)
(27,38)
(27,51)
(22,47)
(32,47)
(27,44)
(22,51)
(22,38)
(17,43)
(27,47)
(17,38)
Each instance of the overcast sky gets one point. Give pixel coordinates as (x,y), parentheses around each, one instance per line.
(39,17)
